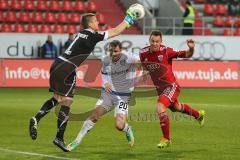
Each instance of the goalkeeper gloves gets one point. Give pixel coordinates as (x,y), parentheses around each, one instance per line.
(130,17)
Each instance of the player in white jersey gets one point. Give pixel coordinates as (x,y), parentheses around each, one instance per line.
(118,71)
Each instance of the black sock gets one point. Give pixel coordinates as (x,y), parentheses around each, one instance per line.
(47,106)
(62,121)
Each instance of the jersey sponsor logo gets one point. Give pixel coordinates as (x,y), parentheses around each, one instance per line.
(153,66)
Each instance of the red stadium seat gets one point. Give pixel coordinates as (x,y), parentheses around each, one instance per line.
(209,9)
(221,9)
(238,22)
(75,18)
(19,28)
(218,21)
(228,32)
(24,17)
(207,32)
(29,5)
(200,1)
(79,6)
(37,17)
(45,28)
(67,5)
(230,21)
(101,19)
(32,28)
(71,29)
(237,32)
(54,5)
(62,18)
(50,17)
(11,16)
(16,5)
(6,28)
(3,4)
(1,17)
(58,29)
(92,7)
(42,5)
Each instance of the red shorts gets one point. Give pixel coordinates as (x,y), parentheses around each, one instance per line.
(169,95)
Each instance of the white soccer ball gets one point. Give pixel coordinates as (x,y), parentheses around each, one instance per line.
(138,9)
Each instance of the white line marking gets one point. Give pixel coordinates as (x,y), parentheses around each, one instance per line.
(212,104)
(35,154)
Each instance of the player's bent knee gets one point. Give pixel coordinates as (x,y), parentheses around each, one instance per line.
(119,126)
(172,108)
(66,101)
(161,108)
(94,118)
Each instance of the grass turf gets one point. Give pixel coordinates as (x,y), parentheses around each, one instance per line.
(218,139)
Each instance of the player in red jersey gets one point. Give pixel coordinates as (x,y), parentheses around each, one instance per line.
(157,59)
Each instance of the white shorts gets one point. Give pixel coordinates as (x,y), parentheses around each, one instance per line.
(110,101)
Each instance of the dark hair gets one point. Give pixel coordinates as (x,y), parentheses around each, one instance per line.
(86,19)
(189,3)
(156,33)
(115,43)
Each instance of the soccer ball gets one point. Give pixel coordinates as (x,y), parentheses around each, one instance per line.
(138,9)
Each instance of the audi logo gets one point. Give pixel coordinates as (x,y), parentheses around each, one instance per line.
(207,50)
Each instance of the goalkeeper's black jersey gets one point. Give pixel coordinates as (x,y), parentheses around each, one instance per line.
(83,45)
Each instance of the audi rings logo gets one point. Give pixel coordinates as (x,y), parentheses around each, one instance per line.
(207,50)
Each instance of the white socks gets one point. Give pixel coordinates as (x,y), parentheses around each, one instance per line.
(87,126)
(126,127)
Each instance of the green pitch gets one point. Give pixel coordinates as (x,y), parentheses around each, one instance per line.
(218,139)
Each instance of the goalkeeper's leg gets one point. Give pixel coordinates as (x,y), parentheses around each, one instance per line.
(45,109)
(98,112)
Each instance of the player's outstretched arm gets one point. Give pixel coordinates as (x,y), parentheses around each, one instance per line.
(191,45)
(118,29)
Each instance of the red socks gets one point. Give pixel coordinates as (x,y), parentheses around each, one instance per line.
(188,110)
(164,123)
(164,119)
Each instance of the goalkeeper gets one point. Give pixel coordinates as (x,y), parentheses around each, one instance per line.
(63,74)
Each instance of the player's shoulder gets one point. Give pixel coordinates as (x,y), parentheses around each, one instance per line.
(91,32)
(105,58)
(130,57)
(163,46)
(144,50)
(127,55)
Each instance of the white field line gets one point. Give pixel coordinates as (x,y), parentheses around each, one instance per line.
(35,154)
(212,104)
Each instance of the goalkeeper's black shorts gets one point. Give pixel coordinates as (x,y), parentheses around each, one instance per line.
(62,78)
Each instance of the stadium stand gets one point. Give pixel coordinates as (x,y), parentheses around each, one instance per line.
(54,16)
(222,16)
